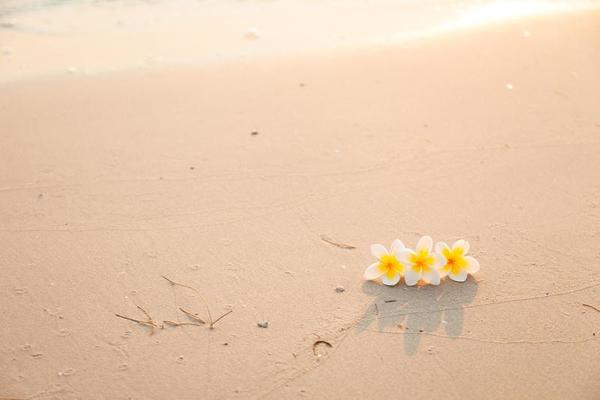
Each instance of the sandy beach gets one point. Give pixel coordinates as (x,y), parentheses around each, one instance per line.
(237,177)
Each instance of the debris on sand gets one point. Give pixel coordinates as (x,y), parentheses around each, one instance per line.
(252,34)
(263,324)
(149,322)
(194,316)
(591,306)
(319,343)
(344,246)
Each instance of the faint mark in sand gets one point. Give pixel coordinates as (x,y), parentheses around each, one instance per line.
(252,34)
(66,372)
(341,245)
(41,395)
(488,340)
(63,332)
(21,291)
(226,242)
(591,306)
(498,302)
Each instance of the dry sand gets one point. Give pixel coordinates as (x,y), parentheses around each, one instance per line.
(109,182)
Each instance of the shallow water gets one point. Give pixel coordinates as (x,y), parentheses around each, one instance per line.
(49,37)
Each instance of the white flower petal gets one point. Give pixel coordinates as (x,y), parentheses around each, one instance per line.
(462,244)
(440,261)
(404,256)
(390,282)
(378,251)
(440,247)
(397,247)
(443,272)
(473,266)
(411,277)
(372,272)
(426,242)
(433,277)
(460,277)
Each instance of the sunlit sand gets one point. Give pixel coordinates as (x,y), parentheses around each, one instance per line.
(189,190)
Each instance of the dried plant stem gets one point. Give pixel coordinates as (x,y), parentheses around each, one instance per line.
(134,320)
(212,324)
(172,282)
(149,322)
(173,323)
(192,316)
(591,306)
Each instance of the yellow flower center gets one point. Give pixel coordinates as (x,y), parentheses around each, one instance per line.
(422,261)
(456,261)
(390,266)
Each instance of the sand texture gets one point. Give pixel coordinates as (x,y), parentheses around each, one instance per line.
(109,182)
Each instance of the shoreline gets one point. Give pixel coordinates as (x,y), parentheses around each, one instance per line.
(200,41)
(228,177)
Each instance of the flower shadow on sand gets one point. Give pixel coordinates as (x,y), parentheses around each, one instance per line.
(417,311)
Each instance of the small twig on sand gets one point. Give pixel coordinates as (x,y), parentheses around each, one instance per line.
(134,320)
(172,282)
(173,323)
(329,240)
(146,314)
(212,324)
(318,342)
(591,306)
(149,322)
(195,317)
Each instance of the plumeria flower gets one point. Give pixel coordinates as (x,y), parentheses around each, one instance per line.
(388,267)
(454,262)
(421,263)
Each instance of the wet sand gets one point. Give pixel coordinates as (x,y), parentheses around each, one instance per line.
(108,182)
